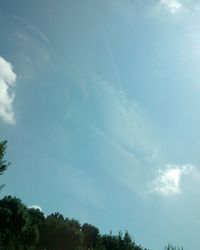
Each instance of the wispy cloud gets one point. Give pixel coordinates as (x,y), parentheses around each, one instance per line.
(127,141)
(123,127)
(125,122)
(173,6)
(32,27)
(168,180)
(7,95)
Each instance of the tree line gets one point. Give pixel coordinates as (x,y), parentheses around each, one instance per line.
(24,228)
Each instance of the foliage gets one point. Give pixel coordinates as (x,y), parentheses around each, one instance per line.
(24,228)
(90,235)
(3,163)
(15,227)
(171,247)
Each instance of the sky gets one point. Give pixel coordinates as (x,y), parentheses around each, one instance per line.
(99,102)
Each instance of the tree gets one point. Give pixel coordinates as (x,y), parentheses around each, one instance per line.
(118,242)
(90,235)
(37,220)
(171,247)
(3,163)
(36,216)
(58,233)
(16,231)
(51,232)
(128,242)
(74,236)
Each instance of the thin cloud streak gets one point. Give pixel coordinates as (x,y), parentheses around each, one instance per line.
(126,132)
(126,124)
(32,27)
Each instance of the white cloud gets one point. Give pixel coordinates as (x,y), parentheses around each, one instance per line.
(7,81)
(36,207)
(173,6)
(168,181)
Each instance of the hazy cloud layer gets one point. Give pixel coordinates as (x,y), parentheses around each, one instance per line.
(7,95)
(130,144)
(125,122)
(123,127)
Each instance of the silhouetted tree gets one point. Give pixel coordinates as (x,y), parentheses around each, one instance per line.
(23,228)
(3,163)
(37,220)
(171,247)
(90,235)
(16,231)
(36,216)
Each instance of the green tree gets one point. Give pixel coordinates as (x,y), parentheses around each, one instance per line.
(58,233)
(36,216)
(171,247)
(37,220)
(49,232)
(74,235)
(3,163)
(16,231)
(90,235)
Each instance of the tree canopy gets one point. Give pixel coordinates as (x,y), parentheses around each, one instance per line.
(24,228)
(3,163)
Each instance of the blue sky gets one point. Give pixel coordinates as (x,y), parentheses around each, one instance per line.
(99,102)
